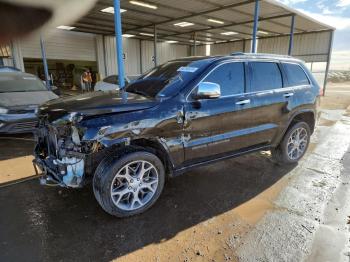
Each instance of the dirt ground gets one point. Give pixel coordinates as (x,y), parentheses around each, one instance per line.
(243,209)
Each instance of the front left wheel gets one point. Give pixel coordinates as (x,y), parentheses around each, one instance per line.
(129,185)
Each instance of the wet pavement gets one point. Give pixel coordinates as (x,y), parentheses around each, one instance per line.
(42,223)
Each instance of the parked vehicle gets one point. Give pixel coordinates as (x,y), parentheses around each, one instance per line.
(182,114)
(9,69)
(20,96)
(110,83)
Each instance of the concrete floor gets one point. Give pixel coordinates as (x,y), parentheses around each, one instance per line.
(245,209)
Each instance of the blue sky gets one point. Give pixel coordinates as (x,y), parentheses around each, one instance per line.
(335,13)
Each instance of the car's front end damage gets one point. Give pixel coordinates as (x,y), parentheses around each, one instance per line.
(61,156)
(71,136)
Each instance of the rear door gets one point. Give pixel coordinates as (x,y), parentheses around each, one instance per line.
(269,105)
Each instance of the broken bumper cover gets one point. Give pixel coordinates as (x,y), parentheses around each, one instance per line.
(65,172)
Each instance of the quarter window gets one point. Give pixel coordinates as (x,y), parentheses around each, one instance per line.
(230,77)
(265,76)
(296,75)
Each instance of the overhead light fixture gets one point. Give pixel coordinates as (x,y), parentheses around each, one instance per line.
(263,32)
(171,41)
(110,10)
(146,34)
(197,42)
(127,35)
(143,4)
(220,41)
(65,27)
(215,21)
(229,33)
(183,24)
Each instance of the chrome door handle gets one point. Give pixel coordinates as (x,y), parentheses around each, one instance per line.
(243,102)
(286,95)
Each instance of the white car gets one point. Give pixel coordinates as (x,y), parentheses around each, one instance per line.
(110,83)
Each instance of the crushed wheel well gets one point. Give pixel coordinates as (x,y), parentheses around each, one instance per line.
(307,117)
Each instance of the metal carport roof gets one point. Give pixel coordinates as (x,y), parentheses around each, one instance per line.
(233,15)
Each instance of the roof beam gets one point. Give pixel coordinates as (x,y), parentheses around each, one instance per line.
(169,20)
(234,24)
(248,14)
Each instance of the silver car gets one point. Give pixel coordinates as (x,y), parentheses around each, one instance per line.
(20,96)
(111,83)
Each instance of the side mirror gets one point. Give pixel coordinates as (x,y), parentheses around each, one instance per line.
(207,90)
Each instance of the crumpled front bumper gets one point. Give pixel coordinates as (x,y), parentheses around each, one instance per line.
(66,172)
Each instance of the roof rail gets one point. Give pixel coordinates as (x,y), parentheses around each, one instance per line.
(259,55)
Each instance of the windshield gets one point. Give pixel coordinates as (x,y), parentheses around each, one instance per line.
(155,80)
(20,83)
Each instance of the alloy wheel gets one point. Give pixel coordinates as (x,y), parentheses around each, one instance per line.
(134,185)
(297,143)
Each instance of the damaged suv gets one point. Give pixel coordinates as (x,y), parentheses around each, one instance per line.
(180,115)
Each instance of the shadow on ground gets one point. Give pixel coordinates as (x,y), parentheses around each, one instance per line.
(40,223)
(12,146)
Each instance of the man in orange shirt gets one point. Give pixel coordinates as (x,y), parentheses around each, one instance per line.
(86,80)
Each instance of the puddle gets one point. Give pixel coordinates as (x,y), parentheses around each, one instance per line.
(326,122)
(253,210)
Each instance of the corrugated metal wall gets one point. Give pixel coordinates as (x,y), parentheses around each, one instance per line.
(165,53)
(61,44)
(68,45)
(131,47)
(311,47)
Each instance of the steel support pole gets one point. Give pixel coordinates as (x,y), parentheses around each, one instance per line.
(328,62)
(255,28)
(291,37)
(46,68)
(141,60)
(14,62)
(155,45)
(119,43)
(194,44)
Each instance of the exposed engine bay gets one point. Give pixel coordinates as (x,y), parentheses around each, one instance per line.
(61,155)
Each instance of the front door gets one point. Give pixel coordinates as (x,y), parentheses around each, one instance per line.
(215,126)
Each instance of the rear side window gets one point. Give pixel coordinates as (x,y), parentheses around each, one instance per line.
(296,75)
(265,76)
(230,77)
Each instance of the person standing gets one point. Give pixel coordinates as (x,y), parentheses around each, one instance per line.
(86,80)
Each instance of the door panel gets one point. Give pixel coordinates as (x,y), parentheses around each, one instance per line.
(269,105)
(215,126)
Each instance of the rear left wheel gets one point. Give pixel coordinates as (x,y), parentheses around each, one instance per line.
(293,145)
(129,185)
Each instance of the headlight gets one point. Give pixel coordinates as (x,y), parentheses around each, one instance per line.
(3,110)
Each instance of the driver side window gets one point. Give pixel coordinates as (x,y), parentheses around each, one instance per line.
(230,77)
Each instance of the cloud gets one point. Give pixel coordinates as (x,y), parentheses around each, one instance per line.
(339,22)
(343,3)
(291,2)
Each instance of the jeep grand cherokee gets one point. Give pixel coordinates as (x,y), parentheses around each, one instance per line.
(180,115)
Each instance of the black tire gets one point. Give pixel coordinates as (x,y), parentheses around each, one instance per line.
(106,172)
(280,153)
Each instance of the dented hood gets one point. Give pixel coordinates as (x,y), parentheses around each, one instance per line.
(96,103)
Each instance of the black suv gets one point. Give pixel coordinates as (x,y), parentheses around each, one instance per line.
(180,115)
